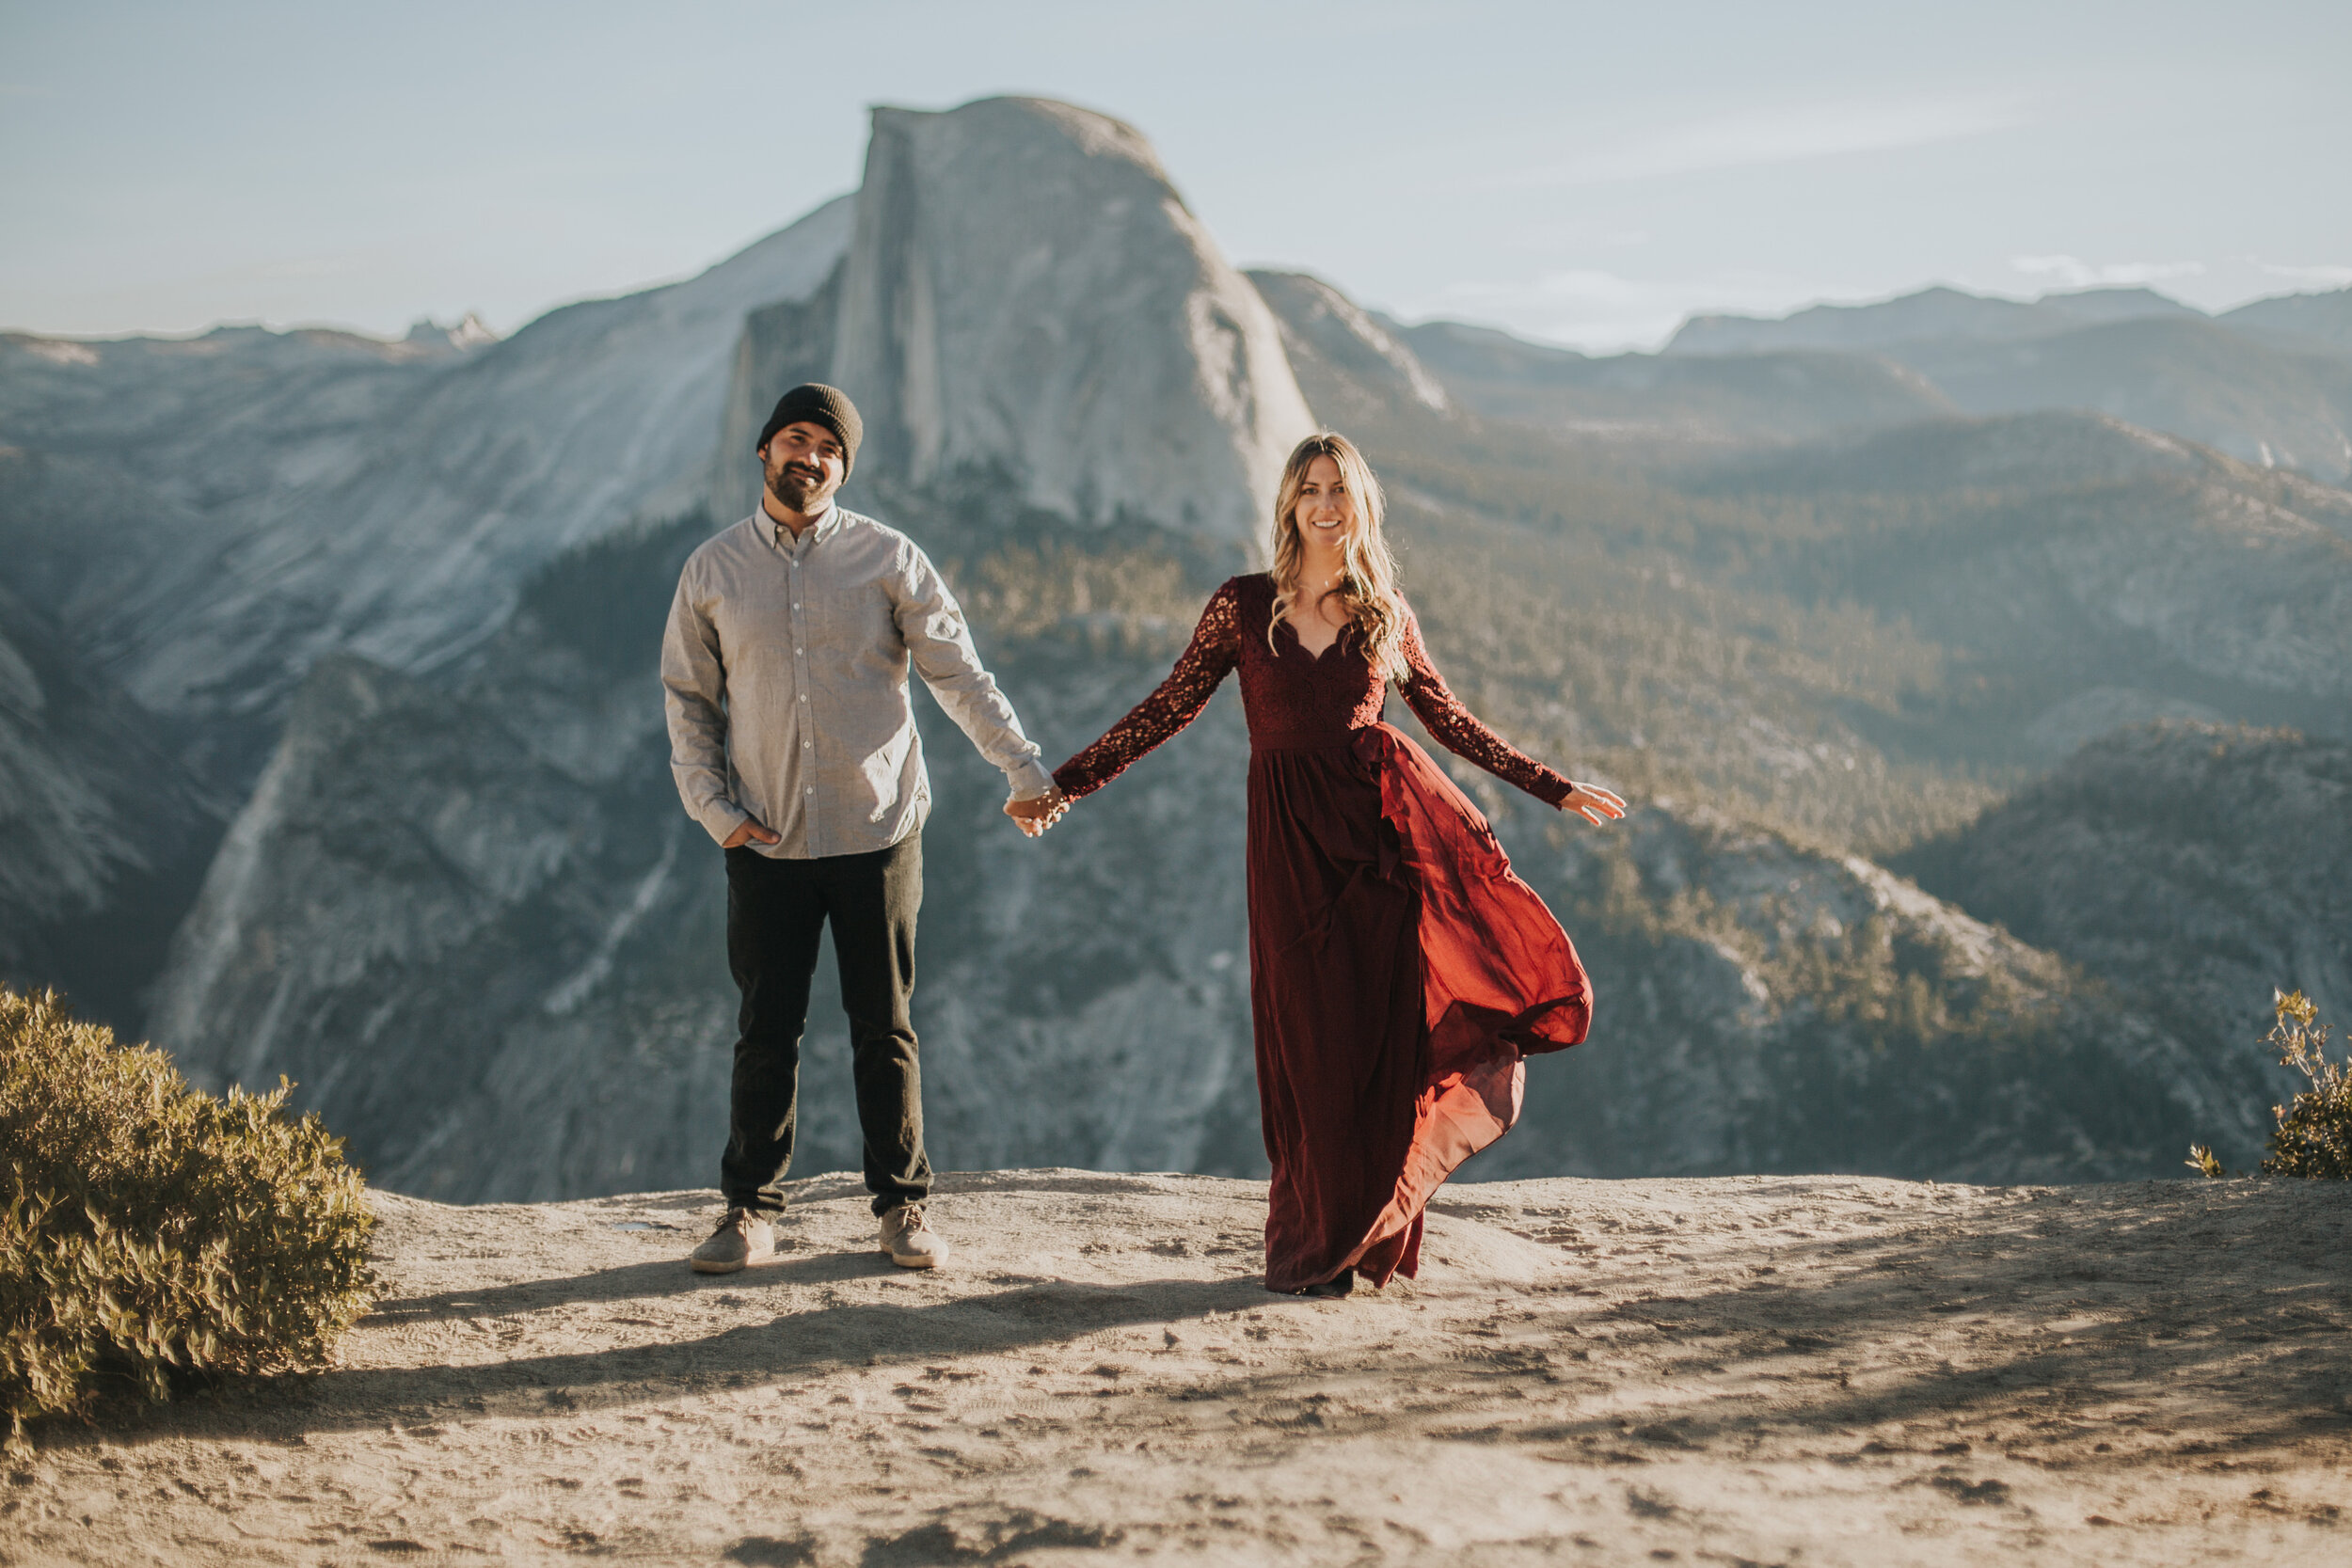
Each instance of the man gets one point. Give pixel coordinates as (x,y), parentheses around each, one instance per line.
(792,740)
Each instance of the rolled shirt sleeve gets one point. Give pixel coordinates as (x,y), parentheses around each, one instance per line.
(939,642)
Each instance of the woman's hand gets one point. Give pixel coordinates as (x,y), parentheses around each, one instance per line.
(1593,803)
(1037,813)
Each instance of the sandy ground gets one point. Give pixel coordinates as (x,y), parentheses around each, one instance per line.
(1776,1369)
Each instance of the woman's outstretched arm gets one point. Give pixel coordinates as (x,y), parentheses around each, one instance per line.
(1454,726)
(1216,648)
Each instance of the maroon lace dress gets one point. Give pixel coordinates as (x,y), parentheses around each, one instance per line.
(1398,970)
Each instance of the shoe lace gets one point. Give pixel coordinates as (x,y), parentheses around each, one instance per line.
(910,1220)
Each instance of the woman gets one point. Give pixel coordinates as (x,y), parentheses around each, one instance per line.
(1397,969)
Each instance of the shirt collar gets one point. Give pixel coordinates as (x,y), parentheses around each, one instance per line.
(827,522)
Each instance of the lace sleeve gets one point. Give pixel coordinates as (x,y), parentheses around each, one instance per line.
(1216,648)
(1452,726)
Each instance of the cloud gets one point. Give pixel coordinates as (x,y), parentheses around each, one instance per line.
(2072,273)
(1780,135)
(2326,276)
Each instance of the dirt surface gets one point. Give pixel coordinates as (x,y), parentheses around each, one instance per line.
(1772,1369)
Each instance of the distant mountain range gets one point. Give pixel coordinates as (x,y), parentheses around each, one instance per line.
(1936,313)
(330,742)
(2321,321)
(2269,382)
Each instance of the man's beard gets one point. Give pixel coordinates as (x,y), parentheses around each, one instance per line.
(795,487)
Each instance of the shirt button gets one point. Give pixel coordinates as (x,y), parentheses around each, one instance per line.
(804,696)
(796,650)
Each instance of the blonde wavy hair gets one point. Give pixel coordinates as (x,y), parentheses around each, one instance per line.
(1367,589)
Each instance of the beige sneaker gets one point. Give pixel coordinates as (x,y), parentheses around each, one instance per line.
(909,1239)
(742,1238)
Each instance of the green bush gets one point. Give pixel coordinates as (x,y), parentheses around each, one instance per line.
(2314,1133)
(148,1230)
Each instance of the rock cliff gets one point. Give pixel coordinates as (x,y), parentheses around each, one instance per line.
(96,819)
(1025,291)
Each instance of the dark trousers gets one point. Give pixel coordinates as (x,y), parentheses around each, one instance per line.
(776,912)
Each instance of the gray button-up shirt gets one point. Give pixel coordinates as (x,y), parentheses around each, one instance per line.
(785,669)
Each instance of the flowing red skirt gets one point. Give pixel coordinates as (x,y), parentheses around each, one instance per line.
(1399,972)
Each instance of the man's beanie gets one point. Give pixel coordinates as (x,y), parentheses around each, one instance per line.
(821,405)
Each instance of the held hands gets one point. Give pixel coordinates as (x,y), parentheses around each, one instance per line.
(749,831)
(1033,816)
(1593,803)
(1039,812)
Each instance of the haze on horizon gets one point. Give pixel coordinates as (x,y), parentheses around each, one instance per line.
(1584,174)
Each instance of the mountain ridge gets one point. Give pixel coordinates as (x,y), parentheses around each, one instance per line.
(1938,310)
(2193,865)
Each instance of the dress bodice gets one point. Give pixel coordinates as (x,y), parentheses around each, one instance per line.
(1294,698)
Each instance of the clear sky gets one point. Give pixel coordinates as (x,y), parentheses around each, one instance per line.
(1584,173)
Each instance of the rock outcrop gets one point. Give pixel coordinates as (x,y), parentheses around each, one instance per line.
(1769,1370)
(1027,292)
